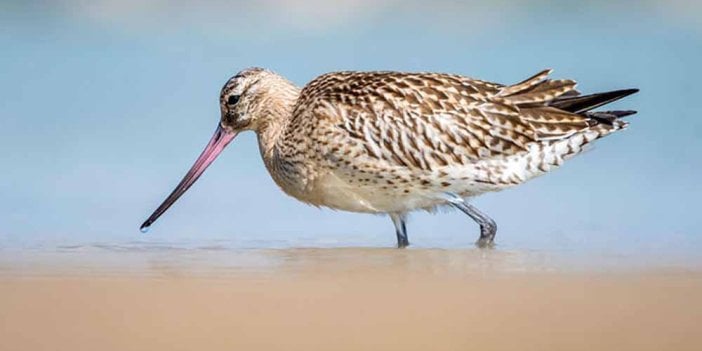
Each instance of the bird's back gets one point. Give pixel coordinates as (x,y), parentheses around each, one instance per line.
(393,142)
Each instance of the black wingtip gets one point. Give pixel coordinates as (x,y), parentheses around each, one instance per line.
(629,91)
(626,92)
(624,113)
(585,103)
(608,117)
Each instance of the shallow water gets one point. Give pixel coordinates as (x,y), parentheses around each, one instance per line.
(219,258)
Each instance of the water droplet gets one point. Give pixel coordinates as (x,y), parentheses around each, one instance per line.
(145,229)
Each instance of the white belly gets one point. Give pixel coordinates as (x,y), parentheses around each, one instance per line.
(396,190)
(350,195)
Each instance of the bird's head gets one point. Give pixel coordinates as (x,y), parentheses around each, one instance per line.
(248,101)
(251,98)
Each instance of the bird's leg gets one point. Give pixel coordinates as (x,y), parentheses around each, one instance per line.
(398,219)
(488,227)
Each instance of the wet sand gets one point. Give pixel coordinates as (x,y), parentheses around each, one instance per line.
(344,299)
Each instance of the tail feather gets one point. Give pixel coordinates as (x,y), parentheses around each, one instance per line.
(526,84)
(585,103)
(619,114)
(608,117)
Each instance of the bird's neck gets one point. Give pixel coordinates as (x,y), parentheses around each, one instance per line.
(275,117)
(271,134)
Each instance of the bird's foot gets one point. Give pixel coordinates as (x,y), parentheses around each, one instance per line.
(402,242)
(487,235)
(485,243)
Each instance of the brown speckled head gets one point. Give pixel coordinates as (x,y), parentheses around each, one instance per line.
(244,100)
(254,99)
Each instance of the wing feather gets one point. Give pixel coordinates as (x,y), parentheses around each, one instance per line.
(429,120)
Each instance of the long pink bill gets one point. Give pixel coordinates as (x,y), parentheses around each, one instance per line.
(219,141)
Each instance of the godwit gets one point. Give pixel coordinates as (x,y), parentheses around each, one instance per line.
(391,143)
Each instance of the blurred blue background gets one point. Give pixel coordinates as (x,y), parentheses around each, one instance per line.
(105,104)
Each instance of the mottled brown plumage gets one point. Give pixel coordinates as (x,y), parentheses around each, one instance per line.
(391,142)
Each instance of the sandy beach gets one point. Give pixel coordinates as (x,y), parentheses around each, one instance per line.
(343,299)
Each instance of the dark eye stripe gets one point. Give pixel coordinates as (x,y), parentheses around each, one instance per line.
(233,99)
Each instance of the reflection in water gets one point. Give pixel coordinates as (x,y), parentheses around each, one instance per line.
(218,259)
(433,261)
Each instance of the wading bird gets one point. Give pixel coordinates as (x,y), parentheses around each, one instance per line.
(391,142)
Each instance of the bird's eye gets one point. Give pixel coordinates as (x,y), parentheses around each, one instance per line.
(233,99)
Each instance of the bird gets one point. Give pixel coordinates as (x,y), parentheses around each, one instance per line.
(390,143)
